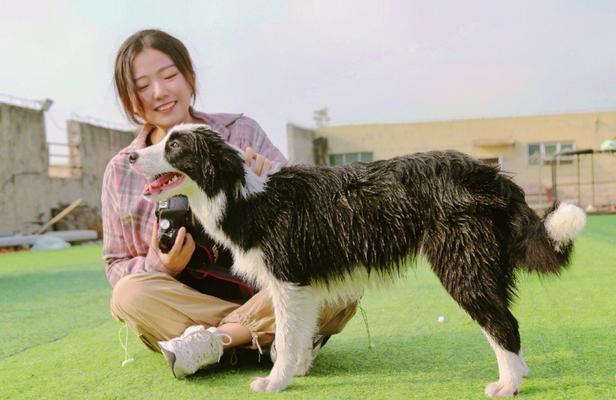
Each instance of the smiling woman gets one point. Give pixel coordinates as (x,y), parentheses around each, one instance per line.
(177,302)
(155,81)
(165,95)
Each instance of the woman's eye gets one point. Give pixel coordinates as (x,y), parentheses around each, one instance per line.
(171,76)
(142,87)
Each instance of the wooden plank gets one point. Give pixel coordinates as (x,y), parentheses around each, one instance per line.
(61,215)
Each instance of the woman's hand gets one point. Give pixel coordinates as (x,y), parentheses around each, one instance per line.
(259,164)
(178,257)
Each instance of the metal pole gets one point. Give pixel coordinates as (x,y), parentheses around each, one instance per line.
(577,158)
(592,160)
(554,183)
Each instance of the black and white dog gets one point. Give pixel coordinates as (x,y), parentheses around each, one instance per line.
(316,234)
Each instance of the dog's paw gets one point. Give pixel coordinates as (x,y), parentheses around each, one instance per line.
(267,385)
(303,365)
(301,370)
(501,389)
(259,384)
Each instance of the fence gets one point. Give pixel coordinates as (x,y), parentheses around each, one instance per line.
(591,184)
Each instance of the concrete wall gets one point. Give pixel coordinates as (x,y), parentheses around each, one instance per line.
(23,167)
(27,193)
(300,144)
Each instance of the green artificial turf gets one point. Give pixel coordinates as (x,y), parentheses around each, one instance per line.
(59,341)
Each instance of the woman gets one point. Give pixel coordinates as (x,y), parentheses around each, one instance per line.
(156,84)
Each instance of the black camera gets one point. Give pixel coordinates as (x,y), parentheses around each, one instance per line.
(173,214)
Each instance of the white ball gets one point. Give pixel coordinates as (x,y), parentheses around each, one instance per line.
(441,319)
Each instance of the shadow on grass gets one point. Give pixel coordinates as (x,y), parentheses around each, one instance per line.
(420,356)
(421,360)
(425,353)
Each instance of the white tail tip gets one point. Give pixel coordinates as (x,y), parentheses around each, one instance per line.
(565,224)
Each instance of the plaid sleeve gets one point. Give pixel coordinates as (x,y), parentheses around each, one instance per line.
(118,246)
(260,142)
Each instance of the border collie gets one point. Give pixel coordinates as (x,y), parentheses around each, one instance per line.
(316,234)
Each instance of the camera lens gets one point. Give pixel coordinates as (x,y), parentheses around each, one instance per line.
(164,224)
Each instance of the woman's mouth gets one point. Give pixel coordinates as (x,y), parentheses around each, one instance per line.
(166,108)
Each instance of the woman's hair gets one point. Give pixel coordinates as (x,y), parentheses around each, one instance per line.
(123,77)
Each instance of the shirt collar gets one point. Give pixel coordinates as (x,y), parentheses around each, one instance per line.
(219,123)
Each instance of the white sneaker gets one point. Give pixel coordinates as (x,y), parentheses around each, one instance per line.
(195,349)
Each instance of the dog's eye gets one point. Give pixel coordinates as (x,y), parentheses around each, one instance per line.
(174,145)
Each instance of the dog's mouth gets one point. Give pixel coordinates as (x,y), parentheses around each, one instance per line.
(163,182)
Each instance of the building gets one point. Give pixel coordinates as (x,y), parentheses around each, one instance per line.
(522,146)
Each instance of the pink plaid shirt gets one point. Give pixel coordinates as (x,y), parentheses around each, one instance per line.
(128,218)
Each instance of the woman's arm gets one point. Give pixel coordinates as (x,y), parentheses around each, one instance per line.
(119,250)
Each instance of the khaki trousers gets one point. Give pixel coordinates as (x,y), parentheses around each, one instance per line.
(157,307)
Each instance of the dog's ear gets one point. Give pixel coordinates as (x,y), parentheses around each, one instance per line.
(221,165)
(204,130)
(230,166)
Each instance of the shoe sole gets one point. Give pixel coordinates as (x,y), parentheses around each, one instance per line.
(170,358)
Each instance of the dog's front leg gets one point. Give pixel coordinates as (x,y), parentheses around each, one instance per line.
(296,309)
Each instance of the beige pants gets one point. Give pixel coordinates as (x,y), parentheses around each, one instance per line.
(157,307)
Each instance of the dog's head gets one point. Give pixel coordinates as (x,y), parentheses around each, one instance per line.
(189,157)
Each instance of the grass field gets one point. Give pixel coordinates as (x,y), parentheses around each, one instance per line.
(59,341)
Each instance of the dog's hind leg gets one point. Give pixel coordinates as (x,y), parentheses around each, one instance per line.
(469,268)
(501,330)
(511,369)
(296,309)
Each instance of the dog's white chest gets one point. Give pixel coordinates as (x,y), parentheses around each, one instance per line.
(251,265)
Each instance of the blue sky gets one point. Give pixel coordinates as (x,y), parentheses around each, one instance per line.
(367,61)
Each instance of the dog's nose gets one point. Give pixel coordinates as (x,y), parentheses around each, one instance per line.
(132,157)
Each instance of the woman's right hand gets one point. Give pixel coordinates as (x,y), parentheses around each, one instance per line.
(178,257)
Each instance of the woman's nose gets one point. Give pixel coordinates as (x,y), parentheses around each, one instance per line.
(160,90)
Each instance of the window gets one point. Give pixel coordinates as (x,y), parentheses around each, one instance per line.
(542,153)
(347,158)
(336,159)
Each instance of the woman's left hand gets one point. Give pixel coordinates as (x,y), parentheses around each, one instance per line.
(259,164)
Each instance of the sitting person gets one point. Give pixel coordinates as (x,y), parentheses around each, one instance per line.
(174,301)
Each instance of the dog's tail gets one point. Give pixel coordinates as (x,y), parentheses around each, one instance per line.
(549,240)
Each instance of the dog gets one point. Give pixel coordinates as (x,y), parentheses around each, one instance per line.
(317,234)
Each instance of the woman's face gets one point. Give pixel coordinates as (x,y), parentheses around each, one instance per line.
(164,93)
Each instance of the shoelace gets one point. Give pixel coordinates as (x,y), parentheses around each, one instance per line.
(212,343)
(255,342)
(221,335)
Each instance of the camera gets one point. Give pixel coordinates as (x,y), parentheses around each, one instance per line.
(173,214)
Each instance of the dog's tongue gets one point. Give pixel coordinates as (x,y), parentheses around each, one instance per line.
(158,184)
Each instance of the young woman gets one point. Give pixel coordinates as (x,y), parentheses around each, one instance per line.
(159,295)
